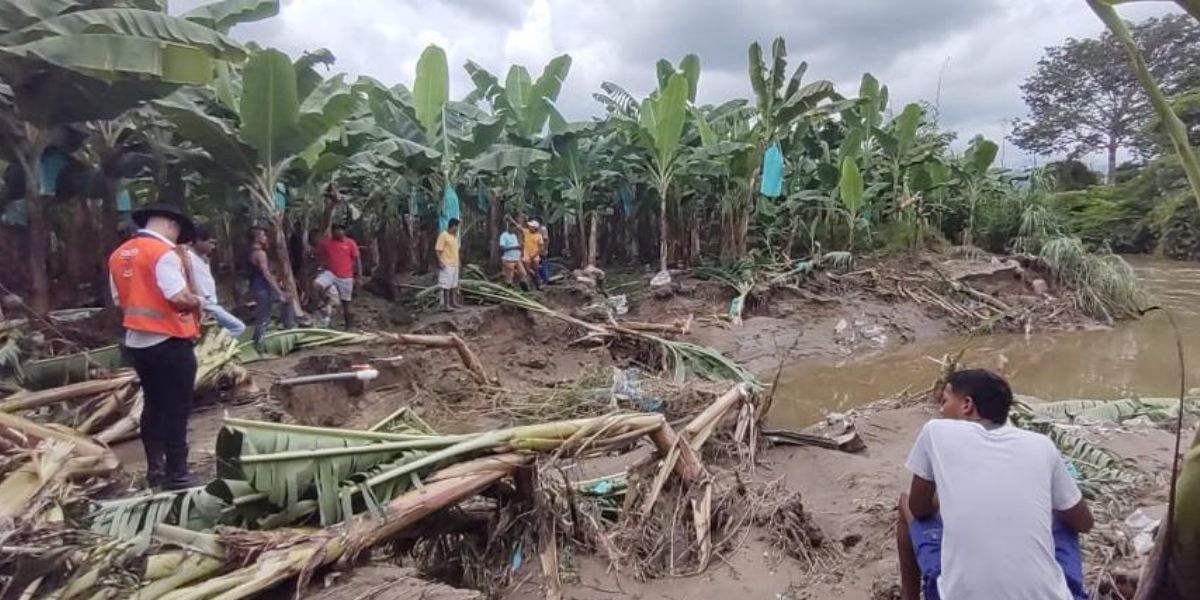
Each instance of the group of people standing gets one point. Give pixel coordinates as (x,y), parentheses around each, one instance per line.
(523,251)
(523,254)
(162,280)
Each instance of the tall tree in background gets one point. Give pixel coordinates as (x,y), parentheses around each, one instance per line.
(1084,99)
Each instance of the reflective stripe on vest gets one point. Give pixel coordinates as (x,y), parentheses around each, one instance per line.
(132,268)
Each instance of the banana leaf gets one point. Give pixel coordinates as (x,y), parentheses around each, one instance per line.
(293,464)
(282,343)
(1102,473)
(70,368)
(195,509)
(1114,411)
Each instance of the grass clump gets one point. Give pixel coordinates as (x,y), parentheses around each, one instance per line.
(1103,284)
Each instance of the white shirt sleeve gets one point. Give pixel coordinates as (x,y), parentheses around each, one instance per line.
(920,460)
(112,289)
(168,271)
(1064,492)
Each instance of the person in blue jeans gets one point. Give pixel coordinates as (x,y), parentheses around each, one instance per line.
(992,510)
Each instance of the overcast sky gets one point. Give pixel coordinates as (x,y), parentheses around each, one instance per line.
(981,49)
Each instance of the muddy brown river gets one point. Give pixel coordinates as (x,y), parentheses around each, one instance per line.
(1136,358)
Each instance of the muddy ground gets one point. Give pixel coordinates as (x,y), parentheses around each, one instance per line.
(830,317)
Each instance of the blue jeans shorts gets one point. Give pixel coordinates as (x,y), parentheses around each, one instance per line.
(926,536)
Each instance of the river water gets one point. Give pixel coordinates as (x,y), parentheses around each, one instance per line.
(1136,358)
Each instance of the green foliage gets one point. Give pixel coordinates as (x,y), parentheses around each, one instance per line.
(225,14)
(70,60)
(1103,284)
(431,89)
(662,118)
(850,187)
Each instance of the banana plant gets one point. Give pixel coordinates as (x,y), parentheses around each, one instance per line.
(277,122)
(659,130)
(526,106)
(853,196)
(783,107)
(972,174)
(69,61)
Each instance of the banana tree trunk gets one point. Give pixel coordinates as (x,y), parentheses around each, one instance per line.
(384,277)
(228,253)
(694,239)
(29,158)
(663,233)
(590,254)
(109,226)
(80,253)
(495,225)
(283,262)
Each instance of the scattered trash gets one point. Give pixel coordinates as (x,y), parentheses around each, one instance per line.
(72,315)
(619,305)
(661,279)
(627,386)
(1143,526)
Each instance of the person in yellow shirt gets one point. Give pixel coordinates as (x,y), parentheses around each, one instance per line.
(447,253)
(531,250)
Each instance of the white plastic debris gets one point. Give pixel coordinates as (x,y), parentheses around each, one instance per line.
(1142,526)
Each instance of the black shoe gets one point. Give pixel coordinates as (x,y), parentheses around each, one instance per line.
(181,481)
(155,463)
(154,479)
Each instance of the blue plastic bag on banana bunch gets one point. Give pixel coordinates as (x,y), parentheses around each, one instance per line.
(772,172)
(450,208)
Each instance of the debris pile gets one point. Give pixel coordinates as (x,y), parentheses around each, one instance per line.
(290,501)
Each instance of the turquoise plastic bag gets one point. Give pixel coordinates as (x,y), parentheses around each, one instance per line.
(772,172)
(124,201)
(280,196)
(625,194)
(450,208)
(52,163)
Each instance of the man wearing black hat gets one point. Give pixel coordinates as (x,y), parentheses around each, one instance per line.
(150,283)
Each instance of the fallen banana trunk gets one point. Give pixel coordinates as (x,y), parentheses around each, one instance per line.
(296,554)
(677,327)
(53,456)
(469,360)
(75,391)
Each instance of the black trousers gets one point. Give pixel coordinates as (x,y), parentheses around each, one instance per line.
(167,371)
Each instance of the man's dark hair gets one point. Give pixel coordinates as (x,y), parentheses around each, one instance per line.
(990,392)
(338,227)
(453,222)
(255,229)
(202,234)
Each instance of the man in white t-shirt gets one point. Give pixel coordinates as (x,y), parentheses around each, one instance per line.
(200,251)
(992,511)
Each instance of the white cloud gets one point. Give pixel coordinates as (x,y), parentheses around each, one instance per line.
(987,47)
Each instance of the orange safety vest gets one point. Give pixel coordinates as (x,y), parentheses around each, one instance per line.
(146,309)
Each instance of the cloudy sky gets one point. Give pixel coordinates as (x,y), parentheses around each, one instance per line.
(981,50)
